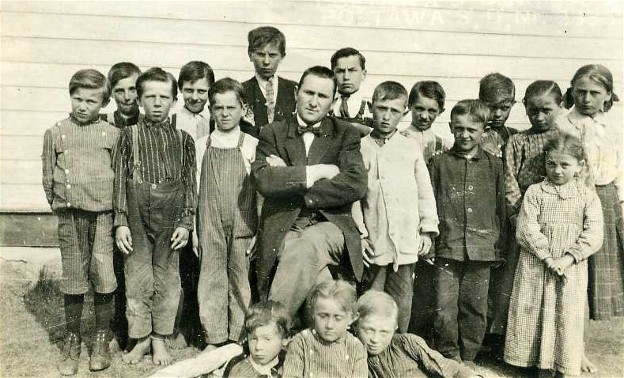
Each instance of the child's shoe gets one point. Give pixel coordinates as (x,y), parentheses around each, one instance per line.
(100,357)
(70,354)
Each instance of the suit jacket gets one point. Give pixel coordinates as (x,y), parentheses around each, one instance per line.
(284,105)
(285,193)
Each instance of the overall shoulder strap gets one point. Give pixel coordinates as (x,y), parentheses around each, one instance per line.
(136,157)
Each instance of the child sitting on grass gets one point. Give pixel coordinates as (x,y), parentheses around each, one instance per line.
(398,355)
(328,350)
(267,328)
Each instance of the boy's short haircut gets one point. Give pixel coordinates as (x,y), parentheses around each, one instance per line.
(260,37)
(375,302)
(494,85)
(120,71)
(196,70)
(90,79)
(319,71)
(343,292)
(224,85)
(265,313)
(429,89)
(475,109)
(346,52)
(157,74)
(389,90)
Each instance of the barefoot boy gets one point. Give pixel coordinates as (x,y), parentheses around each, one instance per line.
(78,183)
(154,203)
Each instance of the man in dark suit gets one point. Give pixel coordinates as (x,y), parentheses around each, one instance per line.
(309,169)
(270,98)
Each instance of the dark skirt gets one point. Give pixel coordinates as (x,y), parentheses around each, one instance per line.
(606,267)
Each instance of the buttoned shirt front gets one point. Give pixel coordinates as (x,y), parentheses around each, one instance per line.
(602,140)
(430,143)
(471,205)
(77,165)
(399,202)
(196,125)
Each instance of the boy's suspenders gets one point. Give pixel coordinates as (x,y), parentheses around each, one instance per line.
(136,167)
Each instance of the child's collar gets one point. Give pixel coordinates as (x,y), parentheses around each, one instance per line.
(78,123)
(264,369)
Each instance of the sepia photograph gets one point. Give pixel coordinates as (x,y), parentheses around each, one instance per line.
(312,188)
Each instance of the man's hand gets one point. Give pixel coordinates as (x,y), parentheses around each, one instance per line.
(123,239)
(425,244)
(275,161)
(368,252)
(179,238)
(323,171)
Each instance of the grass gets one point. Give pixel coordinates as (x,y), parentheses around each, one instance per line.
(32,327)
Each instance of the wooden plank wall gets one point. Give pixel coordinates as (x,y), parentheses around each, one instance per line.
(456,43)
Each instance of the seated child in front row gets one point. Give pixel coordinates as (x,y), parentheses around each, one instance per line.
(398,355)
(78,183)
(267,328)
(328,350)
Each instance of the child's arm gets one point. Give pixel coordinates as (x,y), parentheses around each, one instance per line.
(501,209)
(513,195)
(591,238)
(189,180)
(368,253)
(48,162)
(431,361)
(121,157)
(528,230)
(426,206)
(295,357)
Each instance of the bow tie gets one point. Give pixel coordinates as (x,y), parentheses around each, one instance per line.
(304,129)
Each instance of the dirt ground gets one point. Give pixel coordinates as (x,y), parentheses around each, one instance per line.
(31,318)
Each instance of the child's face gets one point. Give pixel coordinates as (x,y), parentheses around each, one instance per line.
(349,74)
(195,94)
(266,60)
(157,99)
(467,132)
(561,167)
(542,111)
(424,110)
(125,94)
(86,103)
(387,114)
(227,110)
(376,332)
(500,107)
(589,96)
(265,343)
(330,319)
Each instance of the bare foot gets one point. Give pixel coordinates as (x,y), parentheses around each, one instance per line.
(177,341)
(160,352)
(588,366)
(135,356)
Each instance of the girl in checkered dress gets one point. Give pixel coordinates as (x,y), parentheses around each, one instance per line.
(559,226)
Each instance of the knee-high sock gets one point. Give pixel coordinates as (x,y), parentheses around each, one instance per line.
(73,312)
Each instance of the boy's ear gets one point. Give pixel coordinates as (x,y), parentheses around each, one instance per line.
(364,75)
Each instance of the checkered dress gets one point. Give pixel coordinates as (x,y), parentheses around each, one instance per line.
(545,324)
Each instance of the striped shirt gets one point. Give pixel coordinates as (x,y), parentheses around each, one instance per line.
(310,356)
(410,356)
(524,164)
(77,165)
(160,162)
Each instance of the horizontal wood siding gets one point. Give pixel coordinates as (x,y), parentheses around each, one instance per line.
(455,43)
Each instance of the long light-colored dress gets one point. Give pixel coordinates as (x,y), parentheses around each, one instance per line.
(545,324)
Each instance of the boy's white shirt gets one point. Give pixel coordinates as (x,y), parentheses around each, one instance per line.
(353,103)
(219,139)
(190,122)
